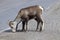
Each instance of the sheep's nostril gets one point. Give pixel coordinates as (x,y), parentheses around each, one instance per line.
(11,27)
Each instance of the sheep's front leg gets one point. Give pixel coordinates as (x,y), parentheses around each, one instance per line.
(17,25)
(23,26)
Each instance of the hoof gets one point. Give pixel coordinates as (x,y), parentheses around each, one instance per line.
(40,29)
(23,30)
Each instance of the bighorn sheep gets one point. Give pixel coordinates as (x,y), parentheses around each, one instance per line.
(25,14)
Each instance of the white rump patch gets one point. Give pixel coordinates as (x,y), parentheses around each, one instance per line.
(41,7)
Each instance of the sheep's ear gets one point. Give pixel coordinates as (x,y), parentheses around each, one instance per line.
(10,22)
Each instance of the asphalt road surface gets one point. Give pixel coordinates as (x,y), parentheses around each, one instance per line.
(51,28)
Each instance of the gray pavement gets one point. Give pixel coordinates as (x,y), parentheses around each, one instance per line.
(51,31)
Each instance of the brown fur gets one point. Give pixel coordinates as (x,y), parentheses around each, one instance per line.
(25,14)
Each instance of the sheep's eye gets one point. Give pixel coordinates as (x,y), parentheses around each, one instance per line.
(12,23)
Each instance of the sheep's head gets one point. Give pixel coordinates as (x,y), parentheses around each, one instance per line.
(12,25)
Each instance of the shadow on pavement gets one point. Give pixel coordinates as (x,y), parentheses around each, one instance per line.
(21,31)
